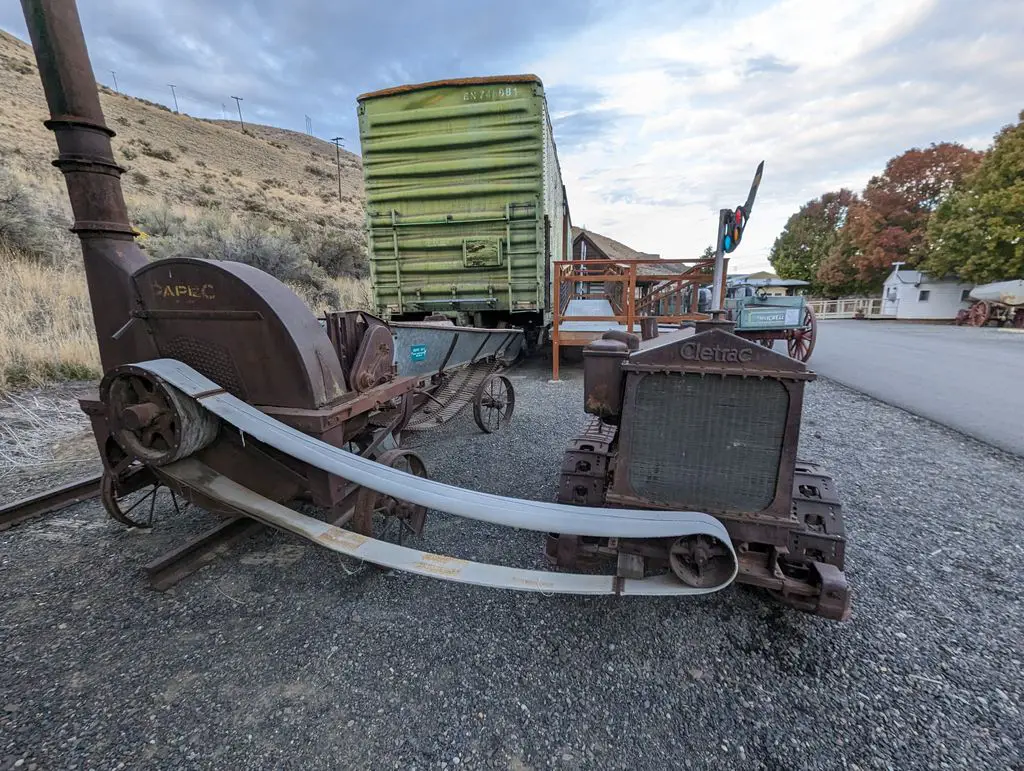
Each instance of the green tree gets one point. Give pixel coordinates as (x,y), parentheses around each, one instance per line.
(809,237)
(978,232)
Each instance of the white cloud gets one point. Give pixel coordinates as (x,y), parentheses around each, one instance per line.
(824,92)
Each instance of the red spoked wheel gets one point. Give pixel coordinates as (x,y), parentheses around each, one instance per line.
(800,342)
(1018,319)
(979,314)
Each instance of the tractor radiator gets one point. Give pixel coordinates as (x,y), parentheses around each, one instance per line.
(710,443)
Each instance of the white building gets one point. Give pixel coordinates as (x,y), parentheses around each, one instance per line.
(911,294)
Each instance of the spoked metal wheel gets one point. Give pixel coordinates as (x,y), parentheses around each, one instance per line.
(131,498)
(384,517)
(700,561)
(979,314)
(493,403)
(800,342)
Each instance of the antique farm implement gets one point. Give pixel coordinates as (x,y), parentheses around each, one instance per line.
(221,386)
(1001,303)
(765,318)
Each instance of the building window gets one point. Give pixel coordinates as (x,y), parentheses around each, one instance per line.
(922,296)
(965,296)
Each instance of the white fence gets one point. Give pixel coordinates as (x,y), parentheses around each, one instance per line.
(868,307)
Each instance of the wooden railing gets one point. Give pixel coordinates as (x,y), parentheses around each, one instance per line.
(634,295)
(849,308)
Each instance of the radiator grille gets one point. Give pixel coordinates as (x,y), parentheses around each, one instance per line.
(708,443)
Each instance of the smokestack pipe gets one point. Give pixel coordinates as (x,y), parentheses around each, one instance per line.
(93,178)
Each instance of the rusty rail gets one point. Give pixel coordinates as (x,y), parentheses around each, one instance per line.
(636,290)
(49,502)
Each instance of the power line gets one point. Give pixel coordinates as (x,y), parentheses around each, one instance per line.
(238,102)
(337,154)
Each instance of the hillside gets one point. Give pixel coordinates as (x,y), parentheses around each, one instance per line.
(195,165)
(194,187)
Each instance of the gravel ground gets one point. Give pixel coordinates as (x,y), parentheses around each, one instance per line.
(277,657)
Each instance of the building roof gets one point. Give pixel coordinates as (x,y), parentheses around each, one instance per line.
(610,248)
(908,276)
(616,250)
(451,82)
(765,278)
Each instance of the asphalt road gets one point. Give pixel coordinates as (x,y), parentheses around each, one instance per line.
(968,379)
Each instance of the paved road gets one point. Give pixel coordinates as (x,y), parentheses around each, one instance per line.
(968,379)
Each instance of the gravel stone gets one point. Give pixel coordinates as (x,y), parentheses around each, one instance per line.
(276,657)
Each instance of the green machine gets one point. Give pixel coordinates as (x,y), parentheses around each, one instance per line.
(766,318)
(466,210)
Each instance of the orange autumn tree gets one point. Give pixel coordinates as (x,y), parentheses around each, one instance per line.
(889,222)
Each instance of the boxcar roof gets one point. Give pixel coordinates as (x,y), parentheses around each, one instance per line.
(451,82)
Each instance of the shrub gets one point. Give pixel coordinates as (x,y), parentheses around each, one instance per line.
(339,252)
(161,153)
(128,153)
(235,172)
(29,226)
(255,243)
(122,120)
(139,178)
(207,188)
(201,164)
(159,220)
(318,171)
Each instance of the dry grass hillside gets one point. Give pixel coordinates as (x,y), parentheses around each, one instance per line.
(198,187)
(194,164)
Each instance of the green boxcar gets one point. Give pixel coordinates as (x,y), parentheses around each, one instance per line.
(465,203)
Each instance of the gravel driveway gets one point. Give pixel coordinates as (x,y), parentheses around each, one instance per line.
(277,657)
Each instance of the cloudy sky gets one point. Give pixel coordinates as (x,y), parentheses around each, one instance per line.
(661,109)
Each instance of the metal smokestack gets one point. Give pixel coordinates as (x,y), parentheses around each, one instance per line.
(93,178)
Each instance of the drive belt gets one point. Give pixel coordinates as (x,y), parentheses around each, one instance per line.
(540,516)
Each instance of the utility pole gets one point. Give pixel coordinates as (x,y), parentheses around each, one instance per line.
(337,154)
(238,102)
(309,125)
(115,82)
(175,97)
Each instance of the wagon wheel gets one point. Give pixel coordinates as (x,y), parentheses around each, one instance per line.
(127,486)
(1018,319)
(979,314)
(800,342)
(383,517)
(961,317)
(493,403)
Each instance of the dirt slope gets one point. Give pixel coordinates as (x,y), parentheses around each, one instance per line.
(193,164)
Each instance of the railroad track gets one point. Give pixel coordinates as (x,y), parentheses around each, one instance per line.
(50,501)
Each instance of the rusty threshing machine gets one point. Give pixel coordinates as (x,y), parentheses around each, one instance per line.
(222,386)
